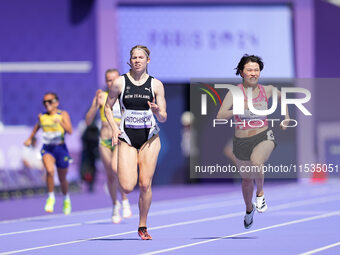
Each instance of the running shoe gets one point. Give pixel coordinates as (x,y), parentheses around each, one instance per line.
(143,233)
(67,208)
(127,213)
(248,218)
(115,213)
(49,206)
(261,205)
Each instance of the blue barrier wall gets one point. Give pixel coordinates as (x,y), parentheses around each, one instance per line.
(38,30)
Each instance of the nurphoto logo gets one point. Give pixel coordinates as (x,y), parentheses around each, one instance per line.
(239,104)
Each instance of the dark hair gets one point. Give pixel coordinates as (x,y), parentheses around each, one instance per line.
(53,94)
(246,59)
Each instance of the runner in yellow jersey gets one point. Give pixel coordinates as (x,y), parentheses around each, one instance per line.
(108,152)
(54,123)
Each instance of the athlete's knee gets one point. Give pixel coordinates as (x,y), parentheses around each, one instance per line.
(257,162)
(247,180)
(127,187)
(128,190)
(110,178)
(144,185)
(62,178)
(50,172)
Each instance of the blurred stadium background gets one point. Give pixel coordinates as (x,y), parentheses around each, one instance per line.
(65,46)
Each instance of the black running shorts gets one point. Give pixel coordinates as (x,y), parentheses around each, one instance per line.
(243,147)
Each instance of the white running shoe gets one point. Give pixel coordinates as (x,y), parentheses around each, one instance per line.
(261,205)
(127,213)
(248,218)
(116,214)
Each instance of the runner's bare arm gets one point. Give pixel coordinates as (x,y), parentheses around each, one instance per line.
(225,112)
(159,108)
(66,122)
(269,92)
(93,109)
(114,92)
(36,127)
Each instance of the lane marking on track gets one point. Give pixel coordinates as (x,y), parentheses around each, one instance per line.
(220,217)
(246,232)
(320,249)
(156,213)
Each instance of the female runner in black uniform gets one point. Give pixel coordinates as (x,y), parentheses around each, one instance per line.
(141,98)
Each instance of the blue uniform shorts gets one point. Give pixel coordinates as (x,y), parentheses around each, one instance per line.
(59,152)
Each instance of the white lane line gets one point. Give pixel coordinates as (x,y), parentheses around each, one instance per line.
(157,203)
(41,229)
(178,210)
(225,216)
(291,187)
(306,202)
(246,232)
(128,232)
(320,249)
(305,213)
(272,190)
(46,67)
(156,213)
(58,215)
(108,209)
(66,243)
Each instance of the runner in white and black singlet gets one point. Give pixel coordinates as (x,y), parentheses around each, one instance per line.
(138,123)
(141,98)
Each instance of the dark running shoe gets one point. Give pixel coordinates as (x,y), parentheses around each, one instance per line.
(143,233)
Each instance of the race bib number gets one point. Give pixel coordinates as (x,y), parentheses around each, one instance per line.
(138,119)
(270,135)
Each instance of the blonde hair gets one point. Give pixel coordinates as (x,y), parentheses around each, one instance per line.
(142,48)
(111,71)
